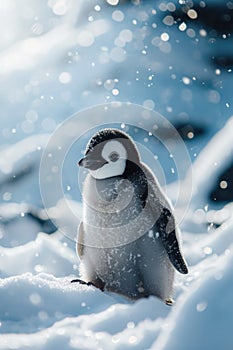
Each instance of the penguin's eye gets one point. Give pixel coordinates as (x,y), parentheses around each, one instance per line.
(114,156)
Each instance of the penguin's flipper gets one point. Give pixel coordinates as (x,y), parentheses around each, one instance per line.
(166,227)
(80,245)
(164,221)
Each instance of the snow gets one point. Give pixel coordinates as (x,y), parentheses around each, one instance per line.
(57,59)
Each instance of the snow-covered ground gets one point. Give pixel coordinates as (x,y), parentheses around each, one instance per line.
(58,57)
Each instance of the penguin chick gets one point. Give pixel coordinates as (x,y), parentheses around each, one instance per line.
(128,241)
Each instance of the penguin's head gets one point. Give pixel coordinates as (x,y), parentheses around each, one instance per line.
(108,153)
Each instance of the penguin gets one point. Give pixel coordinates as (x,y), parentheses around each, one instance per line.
(128,241)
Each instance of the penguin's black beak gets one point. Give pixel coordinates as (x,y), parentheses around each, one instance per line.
(82,162)
(92,163)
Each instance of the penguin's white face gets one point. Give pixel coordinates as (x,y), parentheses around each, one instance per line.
(115,155)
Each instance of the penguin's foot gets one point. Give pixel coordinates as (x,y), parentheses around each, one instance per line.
(98,283)
(82,282)
(170,302)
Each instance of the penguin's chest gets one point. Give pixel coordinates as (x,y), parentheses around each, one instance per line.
(114,212)
(111,203)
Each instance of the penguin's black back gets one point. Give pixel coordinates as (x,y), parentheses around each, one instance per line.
(104,136)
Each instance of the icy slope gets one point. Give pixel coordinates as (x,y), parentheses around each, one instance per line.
(41,311)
